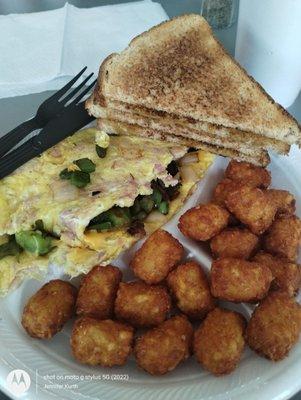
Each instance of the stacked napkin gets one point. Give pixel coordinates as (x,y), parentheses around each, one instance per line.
(41,51)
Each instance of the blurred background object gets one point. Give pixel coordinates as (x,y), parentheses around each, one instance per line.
(172,7)
(220,14)
(268,45)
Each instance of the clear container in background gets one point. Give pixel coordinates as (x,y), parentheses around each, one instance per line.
(220,14)
(268,45)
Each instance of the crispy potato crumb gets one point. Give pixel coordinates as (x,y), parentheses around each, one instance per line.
(253,207)
(142,305)
(223,189)
(101,342)
(97,292)
(283,238)
(248,174)
(46,312)
(219,341)
(287,275)
(161,349)
(189,286)
(204,221)
(285,201)
(237,280)
(234,242)
(275,326)
(158,255)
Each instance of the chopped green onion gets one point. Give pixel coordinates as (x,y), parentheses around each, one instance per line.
(141,215)
(34,242)
(103,226)
(119,216)
(101,151)
(135,207)
(85,165)
(163,207)
(65,174)
(126,212)
(99,218)
(157,196)
(79,179)
(10,248)
(39,225)
(147,204)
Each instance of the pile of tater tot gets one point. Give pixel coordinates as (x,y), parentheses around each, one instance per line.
(171,311)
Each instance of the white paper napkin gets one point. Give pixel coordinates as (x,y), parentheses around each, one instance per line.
(41,51)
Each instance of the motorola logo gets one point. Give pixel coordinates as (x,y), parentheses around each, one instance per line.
(18,382)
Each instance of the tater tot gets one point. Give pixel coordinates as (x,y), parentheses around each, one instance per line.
(285,201)
(161,349)
(234,242)
(157,257)
(219,341)
(253,207)
(142,305)
(274,326)
(287,275)
(283,238)
(237,280)
(46,312)
(97,292)
(204,221)
(101,342)
(189,286)
(223,189)
(248,174)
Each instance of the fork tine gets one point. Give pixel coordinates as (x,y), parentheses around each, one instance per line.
(45,112)
(16,158)
(75,90)
(65,88)
(82,94)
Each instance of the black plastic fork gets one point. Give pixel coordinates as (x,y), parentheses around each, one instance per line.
(49,109)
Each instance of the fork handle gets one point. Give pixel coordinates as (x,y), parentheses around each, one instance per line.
(12,138)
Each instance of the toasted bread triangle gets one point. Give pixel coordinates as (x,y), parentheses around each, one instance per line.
(180,68)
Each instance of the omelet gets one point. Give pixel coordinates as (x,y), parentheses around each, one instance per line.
(36,191)
(41,191)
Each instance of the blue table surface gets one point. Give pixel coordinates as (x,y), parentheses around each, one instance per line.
(27,105)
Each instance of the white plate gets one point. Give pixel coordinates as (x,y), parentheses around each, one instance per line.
(254,378)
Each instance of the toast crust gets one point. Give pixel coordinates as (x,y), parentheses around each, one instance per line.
(232,137)
(257,157)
